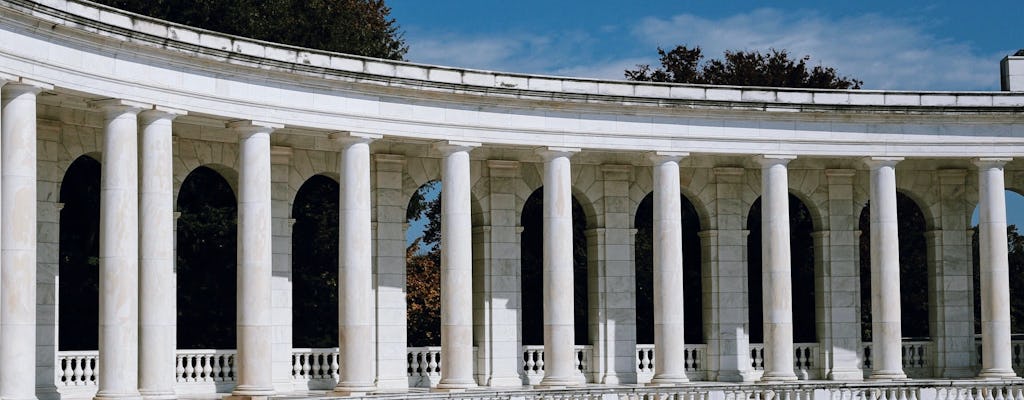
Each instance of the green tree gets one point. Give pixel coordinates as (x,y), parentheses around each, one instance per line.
(423,269)
(774,68)
(315,263)
(360,27)
(1015,246)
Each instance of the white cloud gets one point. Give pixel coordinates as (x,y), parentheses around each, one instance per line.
(884,52)
(515,52)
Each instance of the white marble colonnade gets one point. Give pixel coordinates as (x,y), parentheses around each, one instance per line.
(155,255)
(886,326)
(456,268)
(776,270)
(18,236)
(355,300)
(255,324)
(669,319)
(119,251)
(996,347)
(559,317)
(157,308)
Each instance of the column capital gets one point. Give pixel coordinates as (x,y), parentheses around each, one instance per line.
(879,162)
(447,147)
(661,157)
(119,106)
(768,160)
(246,127)
(551,152)
(160,112)
(990,162)
(352,137)
(21,85)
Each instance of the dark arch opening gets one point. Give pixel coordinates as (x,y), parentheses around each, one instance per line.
(206,262)
(1015,249)
(644,256)
(801,247)
(315,264)
(913,270)
(423,266)
(532,258)
(79,249)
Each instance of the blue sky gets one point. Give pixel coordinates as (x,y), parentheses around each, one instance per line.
(910,45)
(903,45)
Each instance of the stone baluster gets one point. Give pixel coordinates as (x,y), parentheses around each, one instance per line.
(456,268)
(18,213)
(886,328)
(559,318)
(775,269)
(996,346)
(355,282)
(669,321)
(255,330)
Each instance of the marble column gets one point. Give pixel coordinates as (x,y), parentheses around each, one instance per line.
(355,279)
(669,320)
(456,268)
(254,319)
(886,329)
(119,252)
(157,286)
(559,316)
(18,213)
(776,275)
(996,349)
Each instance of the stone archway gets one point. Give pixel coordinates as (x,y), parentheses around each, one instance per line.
(206,261)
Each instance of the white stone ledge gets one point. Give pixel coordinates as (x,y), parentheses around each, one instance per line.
(126,27)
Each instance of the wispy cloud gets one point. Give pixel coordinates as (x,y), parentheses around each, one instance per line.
(541,53)
(885,52)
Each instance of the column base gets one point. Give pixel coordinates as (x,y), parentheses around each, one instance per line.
(888,376)
(354,390)
(249,393)
(117,396)
(778,377)
(454,385)
(668,380)
(998,374)
(246,397)
(158,395)
(560,382)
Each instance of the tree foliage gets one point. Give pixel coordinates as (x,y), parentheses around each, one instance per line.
(361,27)
(913,269)
(1015,242)
(774,68)
(79,251)
(315,263)
(532,263)
(206,262)
(643,252)
(801,248)
(423,269)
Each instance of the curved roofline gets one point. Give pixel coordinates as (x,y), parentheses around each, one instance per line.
(129,27)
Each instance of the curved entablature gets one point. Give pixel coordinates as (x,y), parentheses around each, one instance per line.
(89,52)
